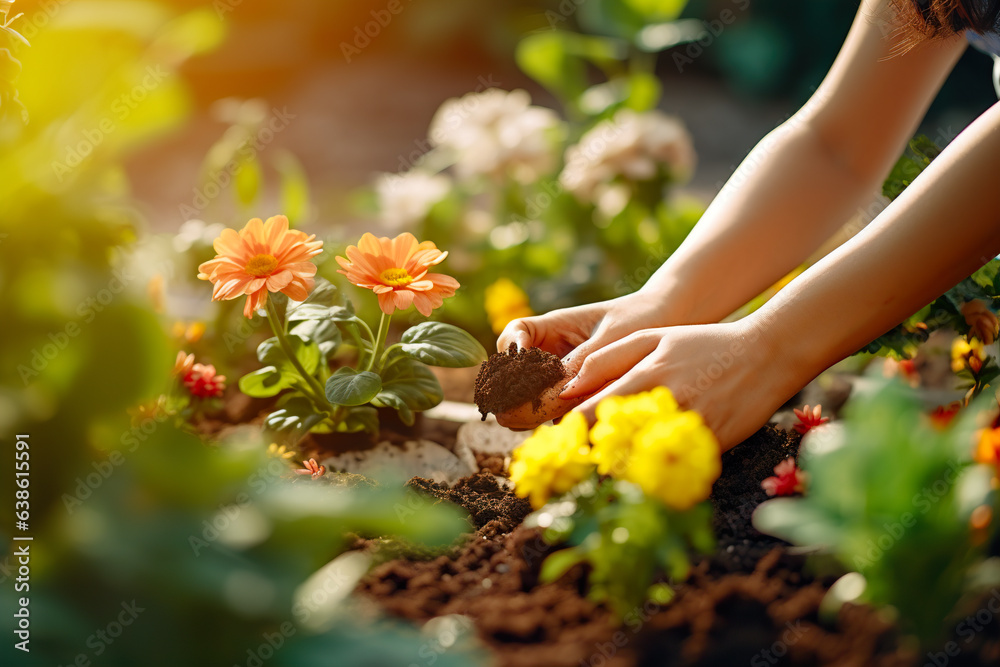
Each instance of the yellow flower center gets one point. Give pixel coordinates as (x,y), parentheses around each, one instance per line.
(261,265)
(395,277)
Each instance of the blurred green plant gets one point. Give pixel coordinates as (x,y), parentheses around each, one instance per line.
(148,547)
(235,164)
(622,40)
(221,546)
(610,522)
(957,308)
(571,211)
(79,344)
(892,497)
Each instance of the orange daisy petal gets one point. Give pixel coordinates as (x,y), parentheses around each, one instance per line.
(262,257)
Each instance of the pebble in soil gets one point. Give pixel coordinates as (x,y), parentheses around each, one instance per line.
(512,378)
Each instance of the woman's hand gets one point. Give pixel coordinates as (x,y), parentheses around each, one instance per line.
(725,372)
(575,333)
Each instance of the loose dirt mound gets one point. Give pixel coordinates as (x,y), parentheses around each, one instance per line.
(515,377)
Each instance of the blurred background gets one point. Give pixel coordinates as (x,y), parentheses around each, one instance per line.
(117,118)
(361,104)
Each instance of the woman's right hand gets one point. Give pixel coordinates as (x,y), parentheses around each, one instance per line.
(574,333)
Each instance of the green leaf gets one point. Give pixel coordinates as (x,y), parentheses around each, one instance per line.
(986,276)
(657,10)
(440,344)
(266,382)
(349,387)
(602,51)
(610,17)
(915,159)
(307,352)
(297,416)
(248,179)
(294,187)
(324,333)
(558,563)
(358,418)
(644,92)
(545,57)
(408,387)
(309,311)
(924,148)
(325,293)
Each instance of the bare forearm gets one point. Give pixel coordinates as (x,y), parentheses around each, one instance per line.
(944,227)
(784,201)
(807,177)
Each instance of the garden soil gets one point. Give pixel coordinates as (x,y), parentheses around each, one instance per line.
(512,378)
(752,603)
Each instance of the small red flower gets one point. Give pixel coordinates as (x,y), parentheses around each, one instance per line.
(202,381)
(904,368)
(809,419)
(312,468)
(789,479)
(944,414)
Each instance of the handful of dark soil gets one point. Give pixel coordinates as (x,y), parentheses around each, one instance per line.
(512,378)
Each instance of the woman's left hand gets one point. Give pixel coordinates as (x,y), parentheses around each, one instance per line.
(726,372)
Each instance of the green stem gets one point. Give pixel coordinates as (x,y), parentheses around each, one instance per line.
(316,393)
(385,355)
(383,333)
(361,349)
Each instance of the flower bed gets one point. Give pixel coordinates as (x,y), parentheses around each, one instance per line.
(753,601)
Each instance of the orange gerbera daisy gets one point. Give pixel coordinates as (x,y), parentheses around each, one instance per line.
(262,257)
(396,270)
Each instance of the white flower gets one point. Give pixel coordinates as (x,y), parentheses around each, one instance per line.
(496,133)
(631,146)
(196,233)
(406,199)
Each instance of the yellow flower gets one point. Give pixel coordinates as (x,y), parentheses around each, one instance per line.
(619,418)
(552,461)
(967,354)
(154,288)
(675,458)
(191,333)
(505,302)
(279,452)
